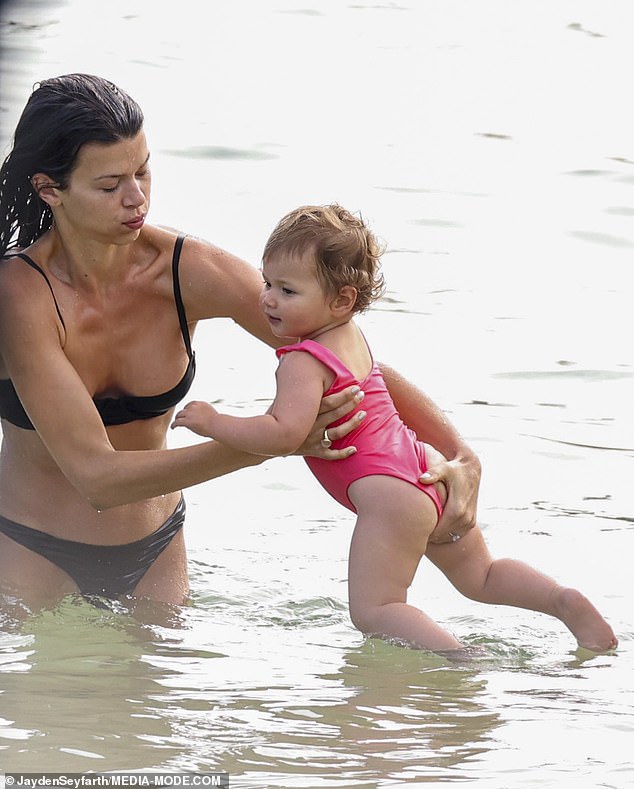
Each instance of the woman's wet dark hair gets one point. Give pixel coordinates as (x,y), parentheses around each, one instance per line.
(62,114)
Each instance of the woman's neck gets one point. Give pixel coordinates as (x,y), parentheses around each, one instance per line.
(85,262)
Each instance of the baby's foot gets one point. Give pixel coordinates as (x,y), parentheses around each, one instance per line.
(585,622)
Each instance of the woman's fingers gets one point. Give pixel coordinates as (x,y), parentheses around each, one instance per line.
(461,478)
(334,407)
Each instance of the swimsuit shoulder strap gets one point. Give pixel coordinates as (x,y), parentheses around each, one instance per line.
(320,352)
(35,266)
(180,307)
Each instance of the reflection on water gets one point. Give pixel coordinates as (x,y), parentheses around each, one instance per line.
(490,144)
(77,691)
(409,706)
(86,687)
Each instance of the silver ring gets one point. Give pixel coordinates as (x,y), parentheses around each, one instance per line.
(325,441)
(454,537)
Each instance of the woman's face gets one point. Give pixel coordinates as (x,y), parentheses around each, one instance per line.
(108,192)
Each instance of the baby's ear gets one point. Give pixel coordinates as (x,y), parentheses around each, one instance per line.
(345,300)
(45,188)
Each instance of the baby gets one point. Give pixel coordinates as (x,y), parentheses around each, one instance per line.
(321,268)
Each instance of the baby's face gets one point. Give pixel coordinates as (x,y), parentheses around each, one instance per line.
(293,298)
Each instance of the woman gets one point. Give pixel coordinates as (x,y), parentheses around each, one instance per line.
(96,312)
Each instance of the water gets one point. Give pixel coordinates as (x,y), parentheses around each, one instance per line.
(490,144)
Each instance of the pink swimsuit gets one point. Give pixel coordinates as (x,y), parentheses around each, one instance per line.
(385,445)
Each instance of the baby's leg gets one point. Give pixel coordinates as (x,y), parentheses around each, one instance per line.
(470,568)
(390,537)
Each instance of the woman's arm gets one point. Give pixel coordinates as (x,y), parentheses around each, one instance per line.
(461,472)
(216,284)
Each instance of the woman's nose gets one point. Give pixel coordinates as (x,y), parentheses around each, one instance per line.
(134,195)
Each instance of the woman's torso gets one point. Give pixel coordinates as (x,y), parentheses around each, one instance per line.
(128,341)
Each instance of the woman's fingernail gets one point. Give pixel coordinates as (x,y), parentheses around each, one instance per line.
(360,395)
(360,415)
(426,475)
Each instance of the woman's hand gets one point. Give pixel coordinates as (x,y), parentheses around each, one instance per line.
(332,408)
(461,477)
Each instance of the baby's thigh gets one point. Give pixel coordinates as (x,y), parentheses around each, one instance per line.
(394,522)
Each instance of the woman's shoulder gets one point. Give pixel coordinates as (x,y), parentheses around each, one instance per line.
(18,266)
(26,264)
(160,237)
(194,247)
(15,255)
(25,293)
(214,282)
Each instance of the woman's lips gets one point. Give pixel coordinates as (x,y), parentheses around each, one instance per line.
(136,223)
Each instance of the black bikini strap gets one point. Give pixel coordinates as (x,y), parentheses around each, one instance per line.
(180,307)
(34,265)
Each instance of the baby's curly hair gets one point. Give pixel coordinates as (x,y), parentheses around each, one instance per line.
(346,251)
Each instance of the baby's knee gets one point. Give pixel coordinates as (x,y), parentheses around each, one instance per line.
(365,618)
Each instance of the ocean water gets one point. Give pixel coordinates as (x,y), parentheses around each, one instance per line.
(491,144)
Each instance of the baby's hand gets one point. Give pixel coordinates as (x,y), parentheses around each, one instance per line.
(198,417)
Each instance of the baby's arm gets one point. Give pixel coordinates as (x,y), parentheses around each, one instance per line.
(301,381)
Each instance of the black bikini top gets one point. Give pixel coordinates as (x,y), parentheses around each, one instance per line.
(127,408)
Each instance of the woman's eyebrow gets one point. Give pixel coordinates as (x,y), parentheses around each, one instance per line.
(117,175)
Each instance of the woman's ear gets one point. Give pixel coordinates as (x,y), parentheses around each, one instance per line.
(345,300)
(46,189)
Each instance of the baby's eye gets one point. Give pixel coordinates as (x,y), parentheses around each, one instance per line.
(287,291)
